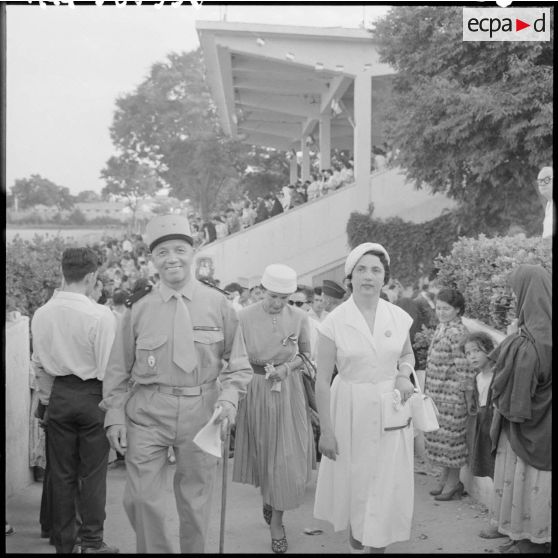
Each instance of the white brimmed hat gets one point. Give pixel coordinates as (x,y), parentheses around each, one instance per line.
(359,251)
(279,278)
(167,227)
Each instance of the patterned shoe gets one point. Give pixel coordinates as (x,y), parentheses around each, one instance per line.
(280,546)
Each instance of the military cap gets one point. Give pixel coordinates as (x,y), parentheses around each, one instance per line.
(167,227)
(333,289)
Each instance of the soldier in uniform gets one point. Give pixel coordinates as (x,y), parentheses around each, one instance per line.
(333,295)
(171,344)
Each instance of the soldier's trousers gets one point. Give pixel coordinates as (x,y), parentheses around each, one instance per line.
(154,422)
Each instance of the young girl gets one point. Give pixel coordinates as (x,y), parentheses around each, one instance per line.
(477,346)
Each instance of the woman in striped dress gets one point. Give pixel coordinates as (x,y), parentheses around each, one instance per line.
(448,377)
(274,441)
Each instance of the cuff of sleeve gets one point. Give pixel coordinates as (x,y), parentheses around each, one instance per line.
(229,395)
(114,416)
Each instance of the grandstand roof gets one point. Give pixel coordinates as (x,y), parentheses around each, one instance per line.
(273,83)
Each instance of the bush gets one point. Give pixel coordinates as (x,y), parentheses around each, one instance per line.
(32,272)
(479,269)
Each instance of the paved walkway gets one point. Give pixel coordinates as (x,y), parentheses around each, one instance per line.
(438,527)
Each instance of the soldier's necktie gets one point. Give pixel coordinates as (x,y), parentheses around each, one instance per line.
(184,351)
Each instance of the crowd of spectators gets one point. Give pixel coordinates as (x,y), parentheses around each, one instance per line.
(242,214)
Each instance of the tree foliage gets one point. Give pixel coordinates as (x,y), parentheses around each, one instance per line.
(267,170)
(472,119)
(167,130)
(37,190)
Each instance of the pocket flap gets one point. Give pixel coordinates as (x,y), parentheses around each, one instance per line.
(150,343)
(208,337)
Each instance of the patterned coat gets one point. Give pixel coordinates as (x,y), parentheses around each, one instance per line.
(448,376)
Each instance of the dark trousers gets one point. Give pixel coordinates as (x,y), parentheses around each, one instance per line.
(78,458)
(45,517)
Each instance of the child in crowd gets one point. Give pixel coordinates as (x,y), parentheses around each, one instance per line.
(477,346)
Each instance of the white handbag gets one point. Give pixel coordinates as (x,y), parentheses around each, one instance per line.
(394,415)
(423,410)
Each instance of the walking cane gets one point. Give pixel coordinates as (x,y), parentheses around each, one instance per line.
(225,453)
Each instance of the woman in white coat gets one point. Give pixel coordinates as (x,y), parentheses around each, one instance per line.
(365,480)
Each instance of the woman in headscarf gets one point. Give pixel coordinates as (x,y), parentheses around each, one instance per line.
(274,445)
(365,480)
(522,424)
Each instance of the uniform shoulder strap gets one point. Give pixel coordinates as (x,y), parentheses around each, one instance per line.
(208,284)
(136,296)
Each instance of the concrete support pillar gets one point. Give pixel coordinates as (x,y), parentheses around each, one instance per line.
(363,136)
(294,169)
(325,142)
(305,166)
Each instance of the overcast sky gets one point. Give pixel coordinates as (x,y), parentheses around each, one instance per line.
(66,67)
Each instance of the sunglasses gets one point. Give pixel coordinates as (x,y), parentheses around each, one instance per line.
(298,303)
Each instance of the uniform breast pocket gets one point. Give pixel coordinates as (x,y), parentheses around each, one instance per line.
(210,346)
(149,355)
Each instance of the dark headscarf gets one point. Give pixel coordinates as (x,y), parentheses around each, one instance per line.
(522,384)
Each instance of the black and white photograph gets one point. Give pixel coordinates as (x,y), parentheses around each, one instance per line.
(278,277)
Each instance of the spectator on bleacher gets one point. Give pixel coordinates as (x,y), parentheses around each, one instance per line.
(304,189)
(336,180)
(286,197)
(262,212)
(209,233)
(297,197)
(249,214)
(221,229)
(313,191)
(233,222)
(328,184)
(347,174)
(276,206)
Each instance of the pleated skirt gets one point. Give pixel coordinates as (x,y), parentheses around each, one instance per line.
(522,498)
(274,443)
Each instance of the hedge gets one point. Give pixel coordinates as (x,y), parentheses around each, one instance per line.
(479,267)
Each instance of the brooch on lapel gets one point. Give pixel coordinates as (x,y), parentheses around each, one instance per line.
(292,337)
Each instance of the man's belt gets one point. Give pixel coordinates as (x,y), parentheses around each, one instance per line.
(183,391)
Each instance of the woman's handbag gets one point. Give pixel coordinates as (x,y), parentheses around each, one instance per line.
(395,414)
(423,410)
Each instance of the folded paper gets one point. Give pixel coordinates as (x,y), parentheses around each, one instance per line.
(209,437)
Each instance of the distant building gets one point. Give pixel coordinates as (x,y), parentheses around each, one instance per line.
(113,209)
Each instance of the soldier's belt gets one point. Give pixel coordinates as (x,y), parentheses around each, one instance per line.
(183,391)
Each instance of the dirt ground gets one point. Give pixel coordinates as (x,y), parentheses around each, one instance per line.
(438,527)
